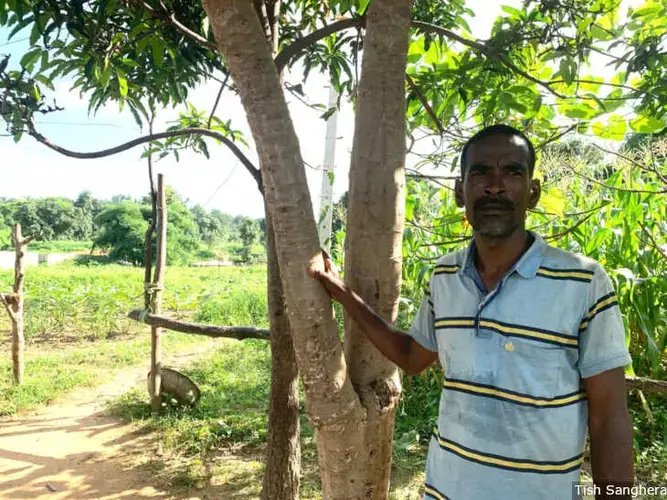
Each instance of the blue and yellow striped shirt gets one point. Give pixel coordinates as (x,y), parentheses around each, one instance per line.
(513,414)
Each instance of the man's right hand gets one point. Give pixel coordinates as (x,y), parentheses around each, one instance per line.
(395,344)
(332,282)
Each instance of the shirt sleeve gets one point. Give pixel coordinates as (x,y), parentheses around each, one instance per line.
(601,332)
(423,325)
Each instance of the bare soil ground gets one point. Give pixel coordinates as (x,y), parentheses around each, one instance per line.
(74,449)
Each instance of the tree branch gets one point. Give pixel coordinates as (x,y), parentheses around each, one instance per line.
(556,137)
(296,47)
(230,332)
(170,19)
(569,230)
(427,106)
(217,101)
(646,385)
(8,300)
(254,171)
(486,51)
(27,240)
(288,53)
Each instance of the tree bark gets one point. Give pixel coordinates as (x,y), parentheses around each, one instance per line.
(283,456)
(332,403)
(373,255)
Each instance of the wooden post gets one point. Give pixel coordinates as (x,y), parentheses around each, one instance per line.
(14,306)
(158,284)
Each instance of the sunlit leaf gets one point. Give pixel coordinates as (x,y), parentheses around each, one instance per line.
(646,124)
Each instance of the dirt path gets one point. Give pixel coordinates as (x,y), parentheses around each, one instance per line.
(73,449)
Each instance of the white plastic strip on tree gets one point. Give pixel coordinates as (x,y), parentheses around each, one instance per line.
(326,192)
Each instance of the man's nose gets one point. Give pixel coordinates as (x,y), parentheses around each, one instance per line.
(495,184)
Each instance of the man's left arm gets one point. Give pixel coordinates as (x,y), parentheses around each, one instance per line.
(603,355)
(610,432)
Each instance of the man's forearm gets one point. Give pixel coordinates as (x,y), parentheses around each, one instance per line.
(612,456)
(393,343)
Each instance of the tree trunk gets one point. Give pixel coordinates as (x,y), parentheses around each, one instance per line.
(283,456)
(333,405)
(373,255)
(282,475)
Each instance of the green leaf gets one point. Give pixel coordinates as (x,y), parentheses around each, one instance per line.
(143,42)
(30,58)
(649,9)
(568,69)
(591,83)
(578,110)
(135,114)
(600,34)
(615,128)
(122,84)
(158,49)
(512,11)
(45,81)
(331,177)
(34,34)
(363,5)
(646,124)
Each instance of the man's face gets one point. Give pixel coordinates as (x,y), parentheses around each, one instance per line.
(497,187)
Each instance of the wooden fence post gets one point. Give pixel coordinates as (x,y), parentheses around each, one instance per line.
(158,284)
(14,306)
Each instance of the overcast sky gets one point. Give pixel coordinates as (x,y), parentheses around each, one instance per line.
(30,170)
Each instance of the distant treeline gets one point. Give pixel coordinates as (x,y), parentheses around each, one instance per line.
(117,228)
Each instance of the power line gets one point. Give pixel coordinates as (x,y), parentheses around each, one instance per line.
(221,185)
(87,124)
(14,41)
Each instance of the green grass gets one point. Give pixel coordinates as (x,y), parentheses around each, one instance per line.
(91,302)
(77,328)
(233,414)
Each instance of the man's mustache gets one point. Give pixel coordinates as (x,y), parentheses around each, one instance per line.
(499,203)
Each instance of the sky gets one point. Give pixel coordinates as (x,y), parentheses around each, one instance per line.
(31,170)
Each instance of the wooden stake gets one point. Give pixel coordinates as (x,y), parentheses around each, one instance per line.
(16,306)
(158,284)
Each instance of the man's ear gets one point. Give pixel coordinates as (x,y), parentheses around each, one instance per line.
(535,192)
(458,193)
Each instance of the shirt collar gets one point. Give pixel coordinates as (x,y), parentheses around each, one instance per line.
(526,266)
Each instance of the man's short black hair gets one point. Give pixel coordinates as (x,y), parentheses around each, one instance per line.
(502,130)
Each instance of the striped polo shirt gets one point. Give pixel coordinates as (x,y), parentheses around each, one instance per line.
(513,413)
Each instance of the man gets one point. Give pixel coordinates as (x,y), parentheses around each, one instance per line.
(530,339)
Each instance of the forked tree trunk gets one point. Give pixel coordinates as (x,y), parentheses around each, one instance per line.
(373,254)
(283,456)
(332,403)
